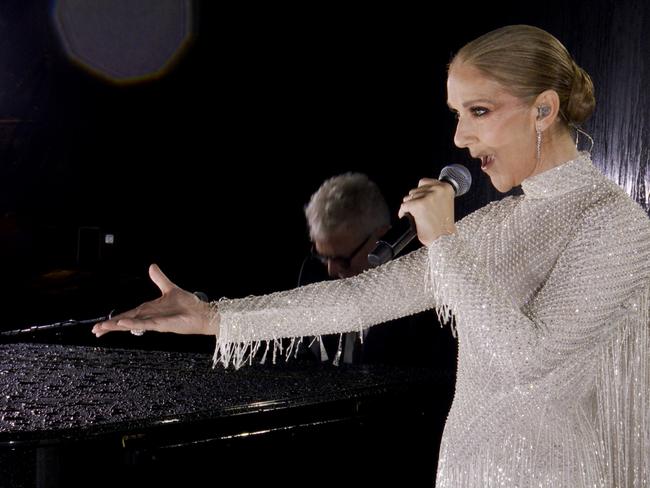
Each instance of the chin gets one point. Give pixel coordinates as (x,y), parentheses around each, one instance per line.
(500,185)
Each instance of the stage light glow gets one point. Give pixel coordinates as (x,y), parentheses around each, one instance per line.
(124,41)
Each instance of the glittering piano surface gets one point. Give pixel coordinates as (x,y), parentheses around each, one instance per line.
(53,390)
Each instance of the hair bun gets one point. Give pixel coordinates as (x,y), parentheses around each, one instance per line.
(581,101)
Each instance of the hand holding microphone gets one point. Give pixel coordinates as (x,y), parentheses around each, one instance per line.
(430,207)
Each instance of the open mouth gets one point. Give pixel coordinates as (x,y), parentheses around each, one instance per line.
(486,162)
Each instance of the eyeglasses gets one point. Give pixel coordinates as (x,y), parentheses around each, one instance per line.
(343,261)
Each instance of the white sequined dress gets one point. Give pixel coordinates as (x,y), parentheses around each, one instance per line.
(549,294)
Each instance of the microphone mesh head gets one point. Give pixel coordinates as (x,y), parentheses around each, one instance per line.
(458,176)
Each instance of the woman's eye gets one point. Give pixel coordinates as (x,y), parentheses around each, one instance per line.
(479,111)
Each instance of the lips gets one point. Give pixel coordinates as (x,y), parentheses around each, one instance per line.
(486,162)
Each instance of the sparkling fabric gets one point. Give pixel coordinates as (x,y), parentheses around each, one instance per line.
(549,296)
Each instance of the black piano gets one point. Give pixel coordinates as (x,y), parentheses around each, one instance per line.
(79,416)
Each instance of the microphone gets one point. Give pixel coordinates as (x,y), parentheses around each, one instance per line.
(460,179)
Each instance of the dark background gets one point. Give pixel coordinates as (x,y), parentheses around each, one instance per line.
(205,169)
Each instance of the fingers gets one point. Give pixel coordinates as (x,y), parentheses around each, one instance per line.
(123,325)
(431,204)
(158,277)
(426,186)
(137,318)
(108,326)
(427,181)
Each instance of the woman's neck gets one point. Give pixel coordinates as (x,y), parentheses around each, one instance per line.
(558,148)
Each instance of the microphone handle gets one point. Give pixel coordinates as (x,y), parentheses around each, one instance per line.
(407,236)
(385,251)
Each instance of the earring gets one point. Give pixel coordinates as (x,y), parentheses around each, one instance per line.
(539,144)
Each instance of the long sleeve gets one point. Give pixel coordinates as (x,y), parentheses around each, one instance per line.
(605,263)
(378,295)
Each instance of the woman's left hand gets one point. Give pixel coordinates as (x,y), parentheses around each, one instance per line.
(431,205)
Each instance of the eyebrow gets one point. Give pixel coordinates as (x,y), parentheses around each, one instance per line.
(471,102)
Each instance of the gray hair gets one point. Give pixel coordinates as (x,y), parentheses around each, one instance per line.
(347,199)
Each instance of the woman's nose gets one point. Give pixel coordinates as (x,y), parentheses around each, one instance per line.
(464,134)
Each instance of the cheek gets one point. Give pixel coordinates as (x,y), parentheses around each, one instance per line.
(505,132)
(494,133)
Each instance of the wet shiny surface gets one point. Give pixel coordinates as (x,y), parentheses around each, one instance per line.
(52,392)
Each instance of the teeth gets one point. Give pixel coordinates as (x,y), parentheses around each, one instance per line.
(485,160)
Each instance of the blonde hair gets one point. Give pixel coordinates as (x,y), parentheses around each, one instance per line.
(528,60)
(350,199)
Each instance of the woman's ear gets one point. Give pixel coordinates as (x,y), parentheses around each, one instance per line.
(547,109)
(543,111)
